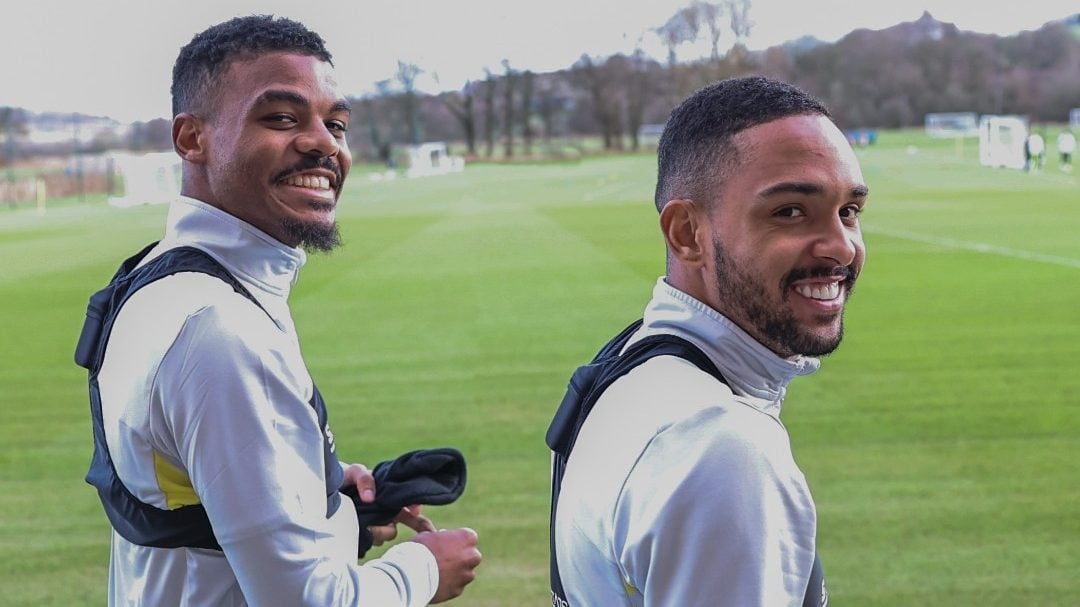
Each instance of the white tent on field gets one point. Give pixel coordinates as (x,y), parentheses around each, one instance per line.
(152,178)
(1001,141)
(432,159)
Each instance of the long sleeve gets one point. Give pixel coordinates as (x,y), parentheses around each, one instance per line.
(714,513)
(237,422)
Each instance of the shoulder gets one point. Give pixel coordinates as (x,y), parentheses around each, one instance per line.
(187,317)
(194,299)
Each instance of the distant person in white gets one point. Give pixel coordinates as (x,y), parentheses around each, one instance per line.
(1066,145)
(1035,148)
(205,396)
(682,491)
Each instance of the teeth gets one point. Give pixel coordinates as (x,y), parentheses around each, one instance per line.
(822,292)
(309,181)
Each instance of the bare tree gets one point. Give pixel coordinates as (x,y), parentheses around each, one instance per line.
(489,114)
(509,84)
(739,15)
(547,104)
(709,14)
(640,84)
(380,145)
(461,106)
(406,77)
(527,79)
(680,28)
(600,82)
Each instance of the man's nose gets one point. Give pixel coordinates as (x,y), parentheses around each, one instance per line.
(317,140)
(838,242)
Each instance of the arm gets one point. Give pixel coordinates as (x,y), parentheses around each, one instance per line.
(251,445)
(716,513)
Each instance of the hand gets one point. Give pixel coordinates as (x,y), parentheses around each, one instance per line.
(359,476)
(456,553)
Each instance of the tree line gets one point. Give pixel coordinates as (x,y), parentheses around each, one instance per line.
(869,79)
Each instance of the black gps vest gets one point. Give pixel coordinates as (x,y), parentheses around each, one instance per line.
(136,521)
(586,386)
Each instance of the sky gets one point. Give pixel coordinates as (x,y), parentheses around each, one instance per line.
(114,57)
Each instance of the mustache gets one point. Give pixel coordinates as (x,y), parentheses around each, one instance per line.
(844,274)
(311,162)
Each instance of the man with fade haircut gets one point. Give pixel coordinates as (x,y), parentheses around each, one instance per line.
(673,481)
(213,455)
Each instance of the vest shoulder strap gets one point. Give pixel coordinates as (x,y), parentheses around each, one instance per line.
(105,304)
(586,385)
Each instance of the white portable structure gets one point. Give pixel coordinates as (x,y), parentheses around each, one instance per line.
(1001,141)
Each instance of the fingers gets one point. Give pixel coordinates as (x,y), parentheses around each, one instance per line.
(382,533)
(411,518)
(360,476)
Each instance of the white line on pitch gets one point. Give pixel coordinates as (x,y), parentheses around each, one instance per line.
(979,247)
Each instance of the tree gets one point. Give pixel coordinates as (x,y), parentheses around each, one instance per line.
(12,123)
(739,17)
(527,80)
(547,104)
(509,84)
(640,85)
(710,14)
(489,114)
(600,82)
(680,28)
(461,105)
(406,77)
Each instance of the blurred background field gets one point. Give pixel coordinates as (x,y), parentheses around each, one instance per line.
(940,441)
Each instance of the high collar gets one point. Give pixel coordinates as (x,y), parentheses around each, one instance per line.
(254,257)
(750,368)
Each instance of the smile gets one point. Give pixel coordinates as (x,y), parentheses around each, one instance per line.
(312,182)
(825,292)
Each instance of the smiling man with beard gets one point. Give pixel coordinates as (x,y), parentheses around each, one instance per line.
(213,455)
(673,480)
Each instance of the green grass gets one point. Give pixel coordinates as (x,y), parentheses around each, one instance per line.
(940,442)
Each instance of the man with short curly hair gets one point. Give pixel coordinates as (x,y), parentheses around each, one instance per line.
(673,479)
(213,456)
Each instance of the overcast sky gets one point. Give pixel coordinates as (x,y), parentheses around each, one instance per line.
(114,57)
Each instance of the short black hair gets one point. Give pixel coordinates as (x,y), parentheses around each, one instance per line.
(209,53)
(696,151)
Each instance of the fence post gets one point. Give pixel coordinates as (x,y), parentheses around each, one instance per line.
(40,194)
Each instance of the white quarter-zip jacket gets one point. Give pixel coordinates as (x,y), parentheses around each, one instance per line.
(682,491)
(205,400)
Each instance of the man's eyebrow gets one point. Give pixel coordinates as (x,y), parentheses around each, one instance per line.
(277,96)
(808,189)
(792,187)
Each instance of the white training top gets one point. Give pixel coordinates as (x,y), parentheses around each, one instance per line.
(681,491)
(205,400)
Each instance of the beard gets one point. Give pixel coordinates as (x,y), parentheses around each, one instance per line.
(769,320)
(312,235)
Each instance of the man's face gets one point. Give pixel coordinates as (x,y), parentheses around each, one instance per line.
(786,242)
(277,152)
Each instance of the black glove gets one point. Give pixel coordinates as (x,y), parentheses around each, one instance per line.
(434,477)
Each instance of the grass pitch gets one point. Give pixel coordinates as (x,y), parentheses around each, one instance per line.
(940,441)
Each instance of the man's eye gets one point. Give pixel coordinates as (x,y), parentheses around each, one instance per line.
(337,126)
(850,212)
(280,119)
(789,212)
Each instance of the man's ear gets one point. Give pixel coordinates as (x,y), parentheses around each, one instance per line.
(189,138)
(684,225)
